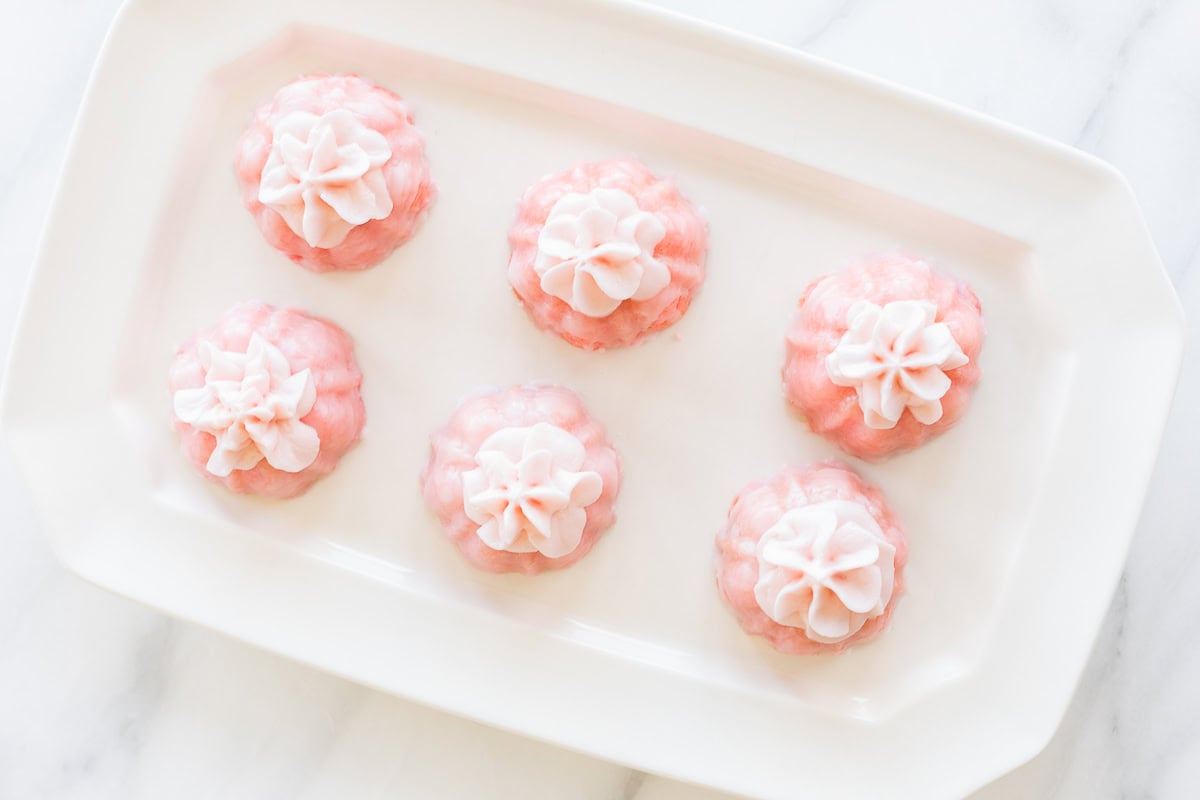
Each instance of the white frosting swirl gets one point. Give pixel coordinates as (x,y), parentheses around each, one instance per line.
(596,251)
(252,403)
(825,568)
(325,175)
(895,357)
(528,493)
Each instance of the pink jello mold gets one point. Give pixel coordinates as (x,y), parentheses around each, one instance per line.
(405,173)
(761,505)
(833,410)
(453,454)
(337,414)
(682,250)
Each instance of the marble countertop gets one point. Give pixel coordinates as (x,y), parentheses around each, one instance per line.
(102,698)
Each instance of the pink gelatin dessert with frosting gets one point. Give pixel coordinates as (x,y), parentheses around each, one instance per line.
(333,171)
(267,400)
(811,559)
(606,253)
(522,479)
(883,356)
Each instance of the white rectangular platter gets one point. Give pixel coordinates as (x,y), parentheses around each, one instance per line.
(1019,518)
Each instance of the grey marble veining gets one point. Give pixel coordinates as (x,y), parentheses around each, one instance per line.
(100,698)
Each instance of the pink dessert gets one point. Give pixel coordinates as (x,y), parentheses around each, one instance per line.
(522,479)
(883,356)
(605,254)
(267,400)
(334,172)
(811,559)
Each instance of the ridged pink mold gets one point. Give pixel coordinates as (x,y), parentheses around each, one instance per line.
(683,250)
(406,172)
(757,507)
(338,414)
(820,322)
(453,450)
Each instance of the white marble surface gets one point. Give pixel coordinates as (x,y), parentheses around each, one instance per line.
(101,698)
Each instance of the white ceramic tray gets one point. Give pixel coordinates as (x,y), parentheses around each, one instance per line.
(1019,518)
